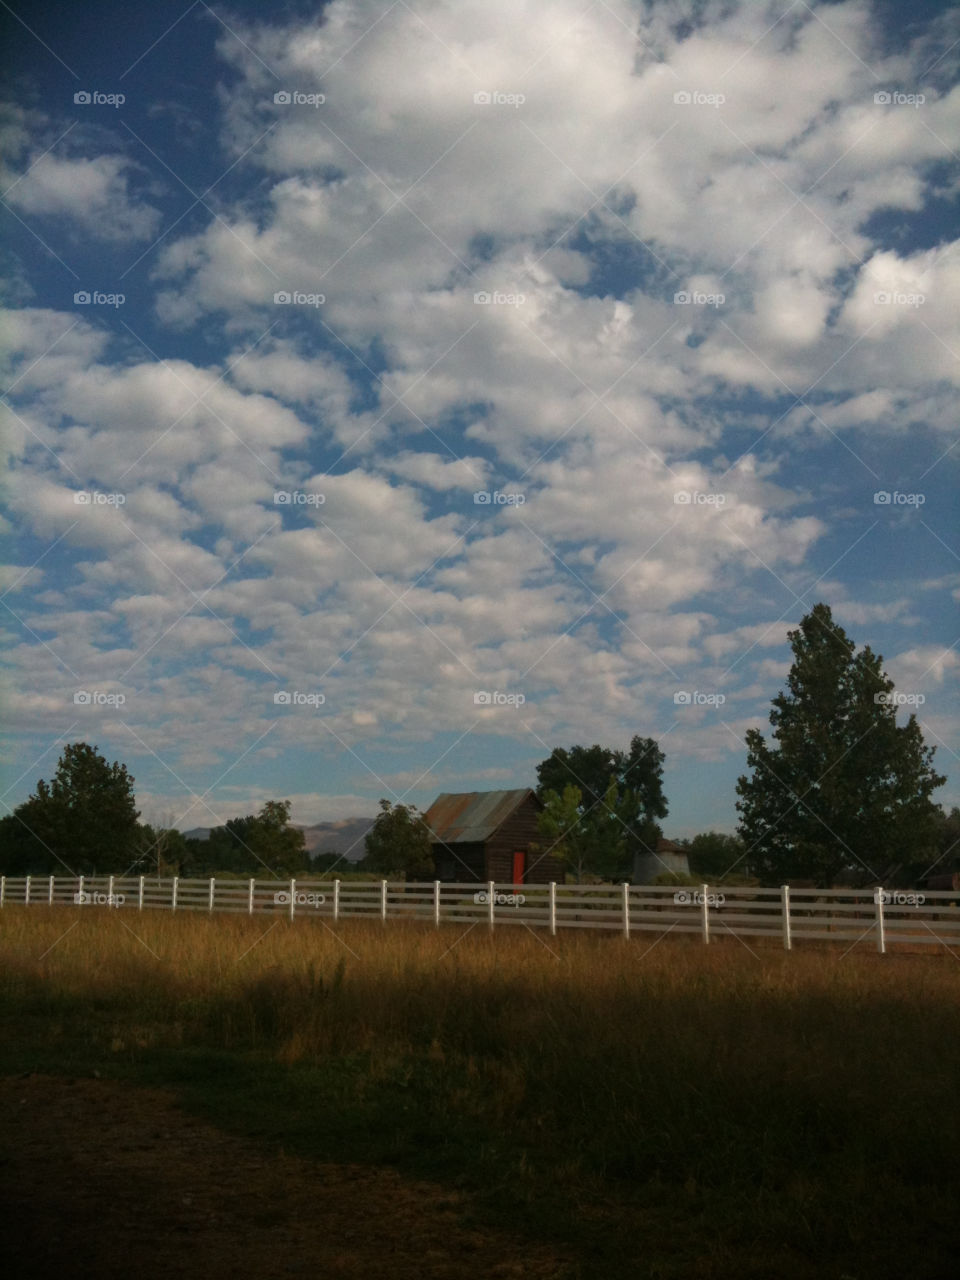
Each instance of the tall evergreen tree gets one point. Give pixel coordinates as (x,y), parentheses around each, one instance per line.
(841,785)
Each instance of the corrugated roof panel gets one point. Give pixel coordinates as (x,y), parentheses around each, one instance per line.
(469,817)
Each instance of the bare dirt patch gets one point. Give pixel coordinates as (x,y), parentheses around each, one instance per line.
(104,1180)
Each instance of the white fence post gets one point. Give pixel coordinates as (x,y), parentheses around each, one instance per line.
(881,929)
(705,912)
(3,889)
(785,909)
(32,895)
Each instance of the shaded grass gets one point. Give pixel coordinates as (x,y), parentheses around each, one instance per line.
(665,1110)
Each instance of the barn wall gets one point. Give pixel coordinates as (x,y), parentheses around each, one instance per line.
(519,832)
(450,860)
(493,860)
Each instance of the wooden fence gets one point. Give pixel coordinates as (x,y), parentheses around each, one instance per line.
(876,916)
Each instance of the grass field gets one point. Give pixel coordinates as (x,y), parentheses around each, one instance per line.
(652,1110)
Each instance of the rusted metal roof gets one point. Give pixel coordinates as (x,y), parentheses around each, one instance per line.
(470,817)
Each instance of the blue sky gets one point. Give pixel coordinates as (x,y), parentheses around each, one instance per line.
(678,285)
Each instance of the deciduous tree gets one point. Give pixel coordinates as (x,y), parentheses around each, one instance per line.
(632,809)
(398,843)
(83,820)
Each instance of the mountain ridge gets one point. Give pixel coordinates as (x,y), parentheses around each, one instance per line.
(344,836)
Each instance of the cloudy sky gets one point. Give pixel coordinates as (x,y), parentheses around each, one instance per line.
(380,356)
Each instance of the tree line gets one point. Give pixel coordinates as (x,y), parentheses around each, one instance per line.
(840,786)
(85,822)
(839,790)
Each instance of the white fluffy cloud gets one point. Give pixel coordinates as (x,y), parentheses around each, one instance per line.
(598,286)
(93,197)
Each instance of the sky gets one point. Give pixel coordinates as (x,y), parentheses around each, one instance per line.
(395,392)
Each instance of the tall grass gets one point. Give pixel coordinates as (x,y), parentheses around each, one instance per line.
(806,1093)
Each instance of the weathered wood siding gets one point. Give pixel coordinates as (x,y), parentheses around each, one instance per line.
(519,832)
(493,859)
(459,862)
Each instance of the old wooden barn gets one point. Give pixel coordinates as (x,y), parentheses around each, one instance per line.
(487,835)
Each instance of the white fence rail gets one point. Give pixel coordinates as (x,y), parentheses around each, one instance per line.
(876,916)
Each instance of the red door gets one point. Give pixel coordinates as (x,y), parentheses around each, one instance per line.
(519,865)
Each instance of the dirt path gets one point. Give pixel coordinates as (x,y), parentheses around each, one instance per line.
(106,1181)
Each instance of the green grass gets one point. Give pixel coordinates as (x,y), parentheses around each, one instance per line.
(665,1110)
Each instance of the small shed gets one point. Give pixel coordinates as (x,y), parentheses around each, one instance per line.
(487,835)
(669,856)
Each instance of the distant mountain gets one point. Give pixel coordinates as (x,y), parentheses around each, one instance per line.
(345,836)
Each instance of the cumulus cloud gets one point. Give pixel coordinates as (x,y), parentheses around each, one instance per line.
(92,196)
(624,263)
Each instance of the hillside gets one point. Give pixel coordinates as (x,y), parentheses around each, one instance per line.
(345,836)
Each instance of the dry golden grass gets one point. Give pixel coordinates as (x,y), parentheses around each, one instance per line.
(802,1099)
(394,981)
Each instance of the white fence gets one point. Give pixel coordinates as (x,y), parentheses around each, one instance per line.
(794,915)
